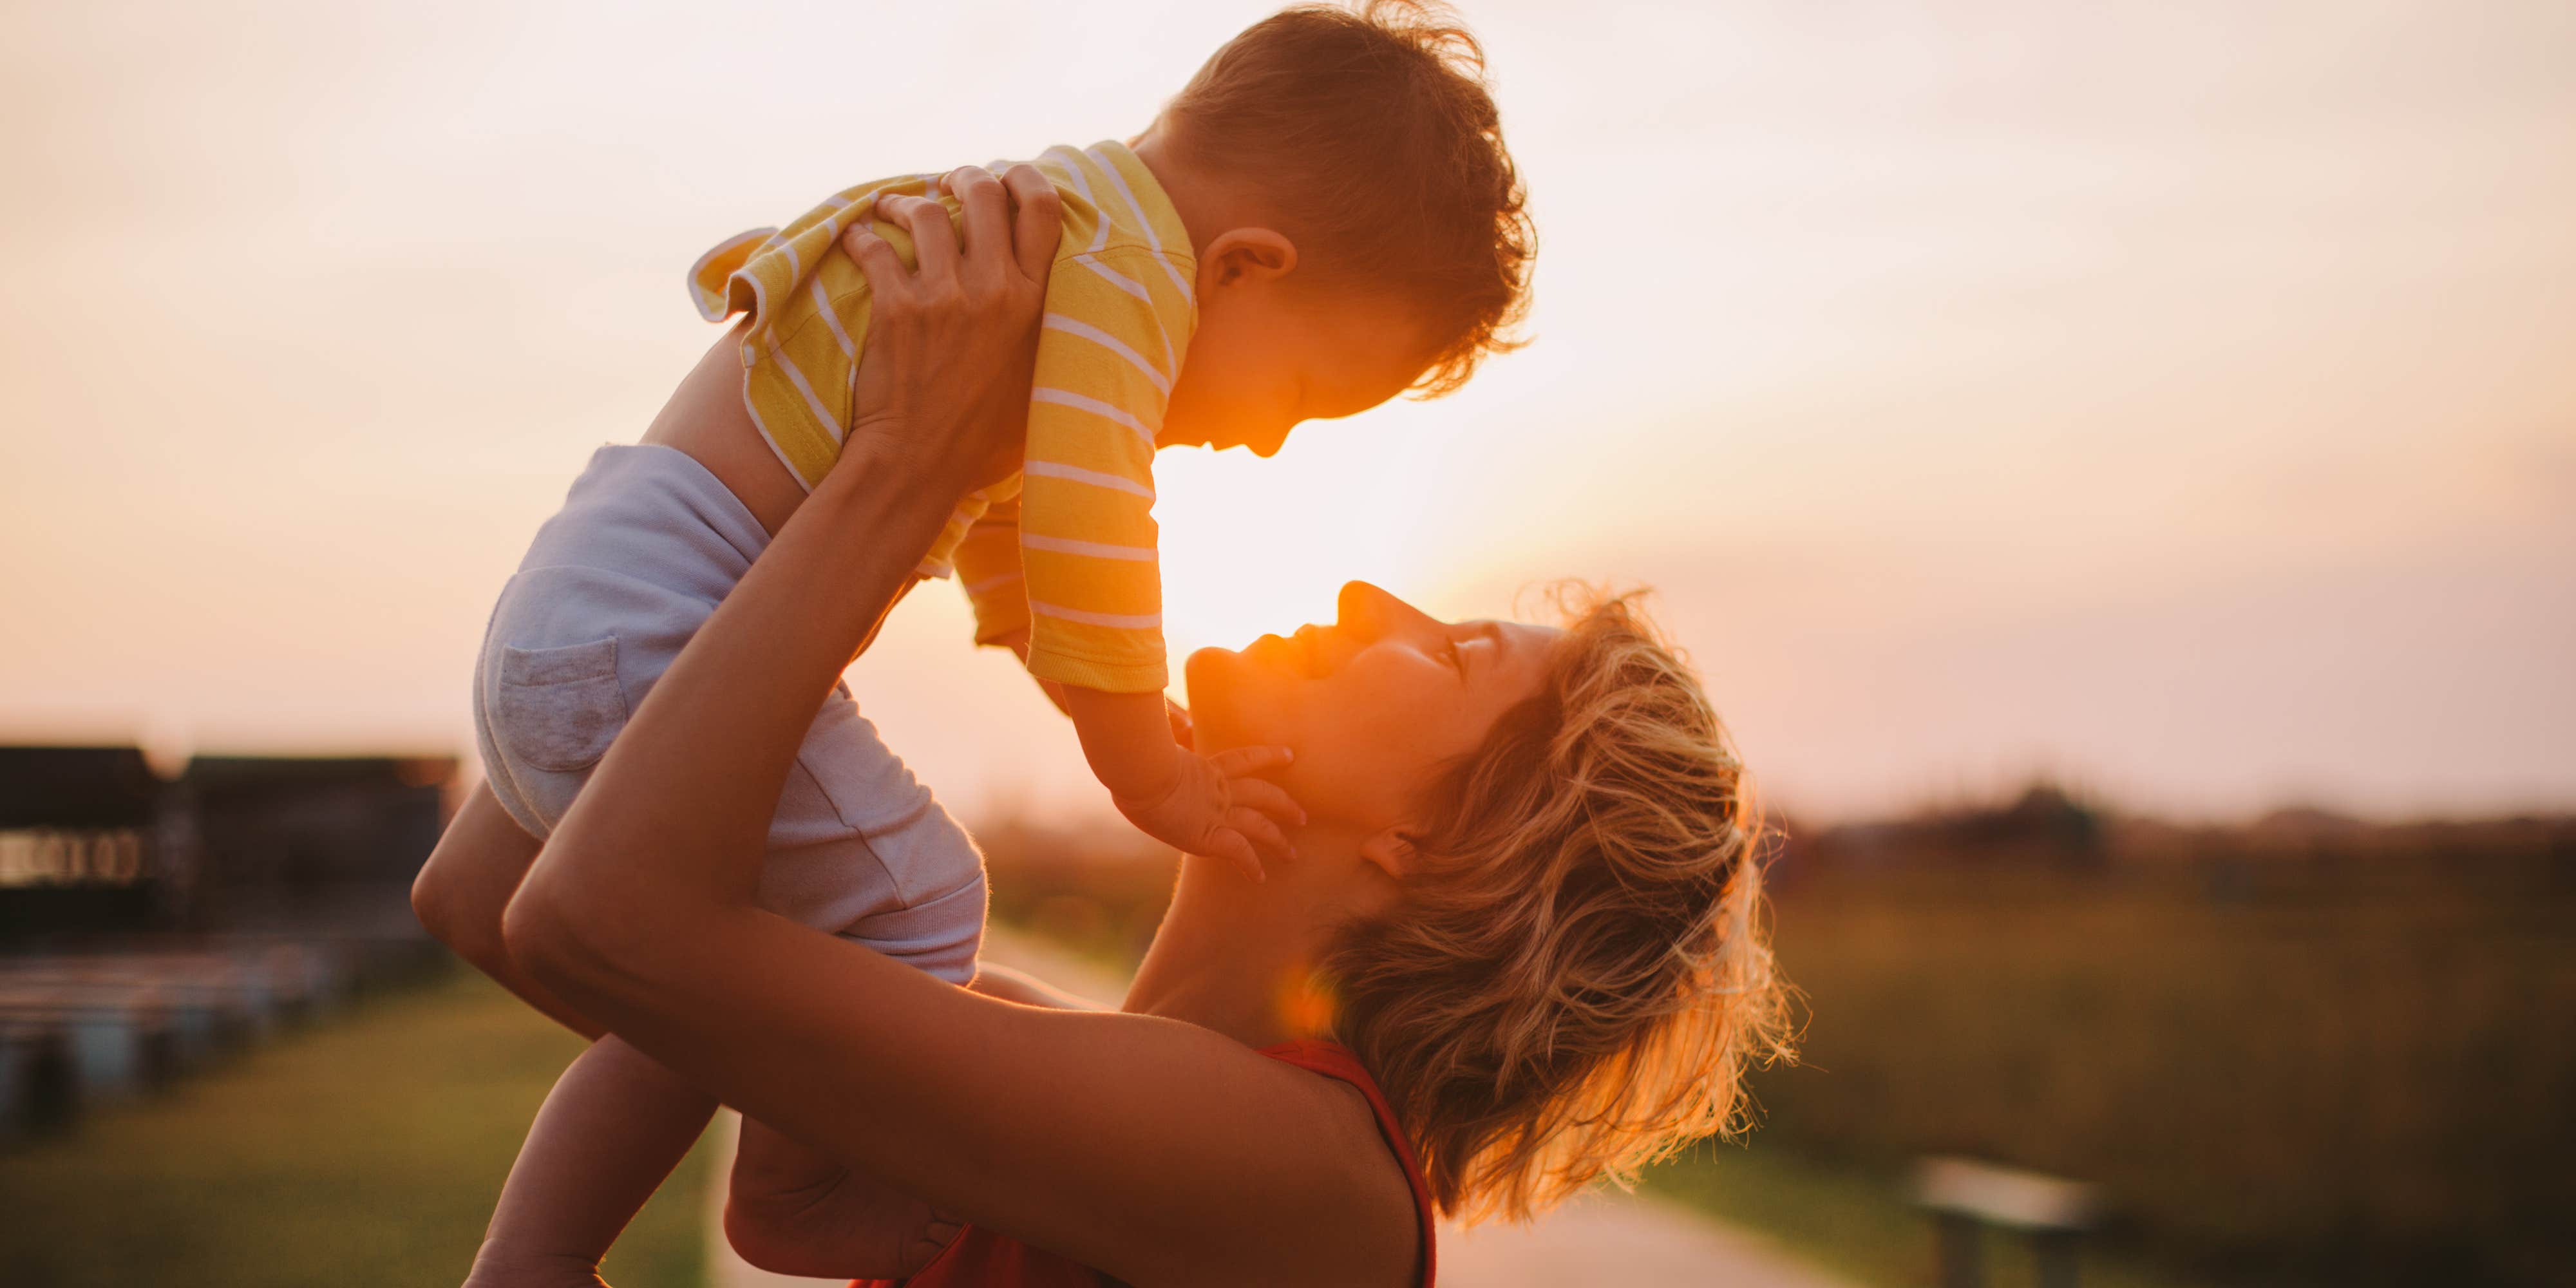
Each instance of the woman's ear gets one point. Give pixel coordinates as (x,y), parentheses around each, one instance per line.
(1390,851)
(1240,255)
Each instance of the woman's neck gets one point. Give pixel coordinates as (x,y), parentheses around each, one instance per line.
(1239,958)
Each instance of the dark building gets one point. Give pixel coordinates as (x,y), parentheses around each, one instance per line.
(91,840)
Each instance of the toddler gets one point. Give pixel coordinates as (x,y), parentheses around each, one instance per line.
(1324,217)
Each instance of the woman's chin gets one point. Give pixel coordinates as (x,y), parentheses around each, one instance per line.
(1220,679)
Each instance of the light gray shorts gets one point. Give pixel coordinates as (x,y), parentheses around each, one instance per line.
(646,545)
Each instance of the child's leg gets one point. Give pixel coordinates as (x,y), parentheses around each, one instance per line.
(609,1133)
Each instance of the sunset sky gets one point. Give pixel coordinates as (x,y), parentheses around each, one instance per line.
(2176,398)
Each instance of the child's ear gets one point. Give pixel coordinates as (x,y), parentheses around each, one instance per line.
(1390,851)
(1240,255)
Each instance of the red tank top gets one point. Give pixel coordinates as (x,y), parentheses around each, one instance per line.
(979,1258)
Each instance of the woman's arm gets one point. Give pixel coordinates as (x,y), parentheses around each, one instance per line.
(1154,1150)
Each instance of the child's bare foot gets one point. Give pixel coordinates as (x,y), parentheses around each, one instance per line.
(793,1211)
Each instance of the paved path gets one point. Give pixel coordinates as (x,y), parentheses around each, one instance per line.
(1628,1240)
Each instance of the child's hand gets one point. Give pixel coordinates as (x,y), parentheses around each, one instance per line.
(1214,806)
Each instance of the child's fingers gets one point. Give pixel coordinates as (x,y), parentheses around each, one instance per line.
(1231,847)
(1267,840)
(1239,761)
(1269,798)
(1040,221)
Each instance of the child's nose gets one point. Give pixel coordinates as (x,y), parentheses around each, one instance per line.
(1266,444)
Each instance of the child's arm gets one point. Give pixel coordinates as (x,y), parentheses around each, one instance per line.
(1200,804)
(1178,716)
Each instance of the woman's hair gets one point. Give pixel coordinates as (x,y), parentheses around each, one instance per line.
(1576,978)
(1370,131)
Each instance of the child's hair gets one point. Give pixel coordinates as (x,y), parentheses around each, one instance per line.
(1371,131)
(1577,977)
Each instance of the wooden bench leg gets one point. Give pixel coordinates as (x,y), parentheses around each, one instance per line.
(1961,1251)
(2055,1251)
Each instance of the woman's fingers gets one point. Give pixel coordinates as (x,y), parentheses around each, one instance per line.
(1231,847)
(1040,221)
(934,242)
(984,213)
(1269,798)
(887,277)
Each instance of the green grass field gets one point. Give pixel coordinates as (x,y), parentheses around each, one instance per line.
(366,1150)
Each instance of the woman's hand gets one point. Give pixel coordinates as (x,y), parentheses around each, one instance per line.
(943,389)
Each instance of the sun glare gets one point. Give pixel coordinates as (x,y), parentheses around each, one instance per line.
(1253,547)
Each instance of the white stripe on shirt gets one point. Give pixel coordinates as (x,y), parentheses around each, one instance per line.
(1091,549)
(1077,474)
(1119,621)
(831,424)
(1067,398)
(1073,166)
(1120,181)
(823,305)
(1136,288)
(1120,280)
(1076,326)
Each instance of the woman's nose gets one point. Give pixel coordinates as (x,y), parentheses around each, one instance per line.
(1369,612)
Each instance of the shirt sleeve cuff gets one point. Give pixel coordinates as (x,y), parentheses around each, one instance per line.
(1103,677)
(999,619)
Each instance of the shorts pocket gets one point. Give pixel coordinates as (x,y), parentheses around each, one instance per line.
(559,708)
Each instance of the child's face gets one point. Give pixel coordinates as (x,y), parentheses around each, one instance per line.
(1270,352)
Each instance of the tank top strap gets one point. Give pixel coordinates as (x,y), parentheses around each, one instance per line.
(1333,1060)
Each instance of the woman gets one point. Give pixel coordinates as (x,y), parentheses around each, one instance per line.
(1517,948)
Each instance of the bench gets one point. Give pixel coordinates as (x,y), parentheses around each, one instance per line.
(1967,1197)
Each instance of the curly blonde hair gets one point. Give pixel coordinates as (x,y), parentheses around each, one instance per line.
(1577,977)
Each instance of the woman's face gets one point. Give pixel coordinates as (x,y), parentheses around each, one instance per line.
(1373,705)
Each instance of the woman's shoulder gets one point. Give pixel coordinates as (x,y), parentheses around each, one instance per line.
(1331,1159)
(1372,1139)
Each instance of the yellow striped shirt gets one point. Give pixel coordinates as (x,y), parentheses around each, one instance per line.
(1066,547)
